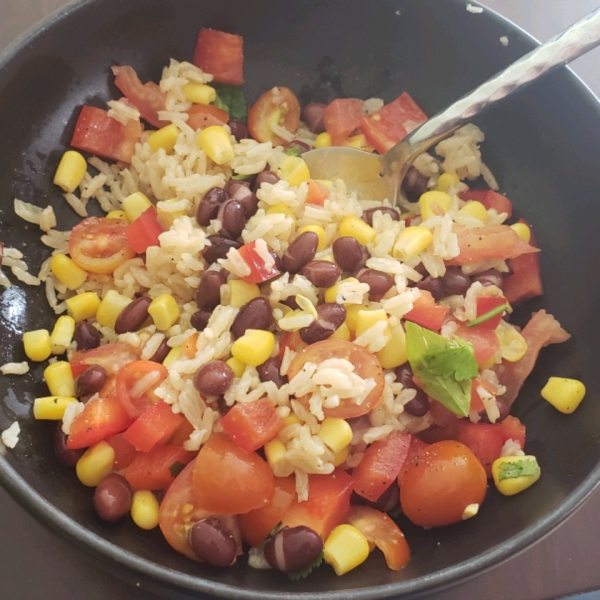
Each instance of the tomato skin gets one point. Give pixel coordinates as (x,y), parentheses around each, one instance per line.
(97,133)
(257,524)
(342,116)
(220,54)
(327,506)
(365,363)
(124,451)
(100,419)
(282,108)
(251,425)
(381,465)
(127,378)
(440,483)
(427,312)
(205,115)
(150,470)
(259,273)
(490,199)
(113,357)
(228,480)
(144,231)
(153,427)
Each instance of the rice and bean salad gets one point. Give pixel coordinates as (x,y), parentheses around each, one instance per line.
(249,358)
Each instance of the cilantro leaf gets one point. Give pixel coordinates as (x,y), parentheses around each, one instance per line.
(303,573)
(293,151)
(231,98)
(444,367)
(519,468)
(176,468)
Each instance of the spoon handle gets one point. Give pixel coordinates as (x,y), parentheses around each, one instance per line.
(574,41)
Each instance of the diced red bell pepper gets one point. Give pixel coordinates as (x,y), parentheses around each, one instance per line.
(426,312)
(484,305)
(220,54)
(153,427)
(490,199)
(258,271)
(483,439)
(342,116)
(144,231)
(124,451)
(156,470)
(415,448)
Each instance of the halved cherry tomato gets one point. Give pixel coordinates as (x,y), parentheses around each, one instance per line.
(252,424)
(205,115)
(327,506)
(144,231)
(278,106)
(153,427)
(342,116)
(427,312)
(97,133)
(440,483)
(220,54)
(230,481)
(257,524)
(365,363)
(113,357)
(484,305)
(100,419)
(99,245)
(124,451)
(156,470)
(135,385)
(258,271)
(380,530)
(317,193)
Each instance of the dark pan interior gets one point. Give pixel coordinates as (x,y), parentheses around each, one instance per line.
(542,146)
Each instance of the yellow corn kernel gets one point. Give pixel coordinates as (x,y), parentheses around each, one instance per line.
(199,93)
(335,433)
(254,347)
(522,231)
(292,419)
(294,170)
(70,172)
(564,394)
(332,292)
(59,379)
(470,511)
(345,549)
(341,456)
(215,142)
(62,335)
(359,142)
(412,241)
(51,408)
(144,509)
(446,180)
(393,354)
(320,234)
(365,319)
(281,208)
(433,200)
(174,354)
(475,210)
(358,229)
(275,451)
(323,140)
(242,292)
(135,204)
(96,463)
(67,272)
(341,333)
(83,306)
(237,366)
(167,218)
(512,344)
(164,138)
(352,315)
(110,308)
(507,478)
(37,344)
(164,311)
(117,214)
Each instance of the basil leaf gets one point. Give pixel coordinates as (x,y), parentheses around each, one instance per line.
(518,468)
(231,98)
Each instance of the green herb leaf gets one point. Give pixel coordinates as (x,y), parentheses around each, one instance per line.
(231,98)
(273,532)
(176,468)
(490,314)
(519,468)
(444,367)
(293,151)
(297,575)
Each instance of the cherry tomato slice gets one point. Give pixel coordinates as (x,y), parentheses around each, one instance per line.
(278,106)
(365,363)
(113,357)
(99,245)
(135,385)
(205,115)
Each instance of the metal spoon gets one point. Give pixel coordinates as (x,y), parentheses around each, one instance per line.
(376,177)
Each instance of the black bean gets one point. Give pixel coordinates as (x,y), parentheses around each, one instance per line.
(291,302)
(367,215)
(239,130)
(265,177)
(293,548)
(133,316)
(312,115)
(455,282)
(233,186)
(349,254)
(329,317)
(433,285)
(212,542)
(222,406)
(161,352)
(65,455)
(255,314)
(269,371)
(112,497)
(414,184)
(233,218)
(240,190)
(490,277)
(209,206)
(199,320)
(321,273)
(419,405)
(300,252)
(301,146)
(219,247)
(86,336)
(213,378)
(379,282)
(208,295)
(90,381)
